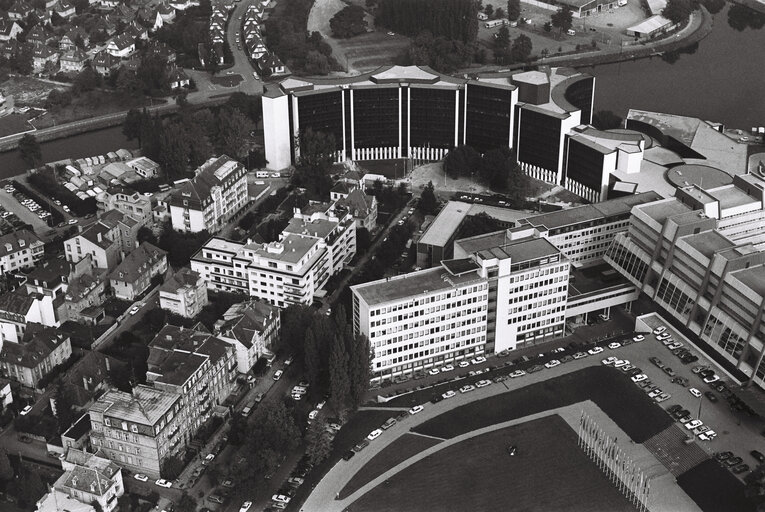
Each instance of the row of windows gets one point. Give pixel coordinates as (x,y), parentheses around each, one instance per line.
(430,312)
(541,293)
(426,332)
(428,300)
(428,352)
(431,340)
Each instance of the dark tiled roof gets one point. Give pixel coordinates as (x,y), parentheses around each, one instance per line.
(244,321)
(16,241)
(138,262)
(31,353)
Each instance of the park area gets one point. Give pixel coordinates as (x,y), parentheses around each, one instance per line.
(479,474)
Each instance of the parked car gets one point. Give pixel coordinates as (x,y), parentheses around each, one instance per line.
(163,483)
(595,351)
(141,477)
(711,396)
(552,364)
(449,394)
(638,338)
(26,410)
(416,409)
(278,374)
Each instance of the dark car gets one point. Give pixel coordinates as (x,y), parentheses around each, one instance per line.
(534,368)
(436,399)
(706,373)
(656,361)
(689,359)
(674,408)
(669,371)
(711,396)
(349,455)
(740,468)
(25,439)
(757,455)
(733,461)
(723,455)
(681,414)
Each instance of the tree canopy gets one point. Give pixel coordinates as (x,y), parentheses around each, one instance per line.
(513,9)
(451,19)
(30,150)
(348,22)
(563,18)
(678,11)
(428,202)
(440,53)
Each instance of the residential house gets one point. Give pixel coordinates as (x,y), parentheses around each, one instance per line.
(19,311)
(6,395)
(104,63)
(90,478)
(20,249)
(270,65)
(9,29)
(107,240)
(69,40)
(9,49)
(133,276)
(143,166)
(78,435)
(73,61)
(182,5)
(166,12)
(19,10)
(88,377)
(106,24)
(42,56)
(37,35)
(362,206)
(122,13)
(85,293)
(108,5)
(251,327)
(184,293)
(121,46)
(64,8)
(128,201)
(178,78)
(136,30)
(256,47)
(162,50)
(149,18)
(31,359)
(208,201)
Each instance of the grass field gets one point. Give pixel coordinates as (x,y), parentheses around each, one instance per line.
(398,451)
(714,488)
(621,400)
(478,474)
(14,123)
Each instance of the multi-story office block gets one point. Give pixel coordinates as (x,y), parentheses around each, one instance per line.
(700,257)
(217,192)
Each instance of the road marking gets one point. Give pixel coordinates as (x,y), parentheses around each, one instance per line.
(425,435)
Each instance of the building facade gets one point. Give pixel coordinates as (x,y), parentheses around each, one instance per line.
(184,293)
(251,327)
(208,201)
(20,249)
(133,276)
(31,359)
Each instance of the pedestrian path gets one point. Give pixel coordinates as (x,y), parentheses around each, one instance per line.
(426,435)
(669,447)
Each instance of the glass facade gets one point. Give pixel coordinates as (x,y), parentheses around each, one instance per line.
(432,117)
(322,113)
(579,94)
(539,139)
(376,117)
(488,117)
(583,164)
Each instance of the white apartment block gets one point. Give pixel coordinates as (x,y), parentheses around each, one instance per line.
(290,271)
(184,293)
(20,249)
(501,297)
(209,200)
(129,202)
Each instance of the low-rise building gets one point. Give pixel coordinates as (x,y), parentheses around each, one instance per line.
(208,201)
(184,293)
(144,167)
(72,61)
(251,327)
(361,205)
(129,202)
(20,249)
(88,479)
(121,46)
(33,357)
(9,29)
(106,241)
(133,276)
(19,310)
(6,394)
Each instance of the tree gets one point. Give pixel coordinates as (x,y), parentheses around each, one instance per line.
(678,11)
(488,10)
(146,235)
(547,26)
(358,369)
(452,19)
(30,488)
(518,184)
(171,468)
(513,9)
(234,132)
(494,168)
(502,39)
(318,443)
(174,152)
(499,13)
(563,18)
(606,120)
(521,48)
(30,150)
(428,201)
(339,383)
(312,359)
(296,322)
(185,503)
(317,149)
(462,161)
(316,63)
(273,433)
(6,470)
(348,22)
(131,128)
(64,404)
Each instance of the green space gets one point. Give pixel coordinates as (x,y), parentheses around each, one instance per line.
(498,481)
(14,123)
(607,387)
(398,451)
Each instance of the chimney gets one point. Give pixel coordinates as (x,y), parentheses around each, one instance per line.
(99,236)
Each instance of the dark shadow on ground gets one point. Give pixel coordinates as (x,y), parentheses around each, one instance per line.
(714,488)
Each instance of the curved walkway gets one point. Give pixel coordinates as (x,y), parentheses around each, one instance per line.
(666,496)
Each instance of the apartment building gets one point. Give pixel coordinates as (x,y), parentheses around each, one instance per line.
(139,430)
(584,233)
(107,241)
(184,293)
(87,479)
(501,297)
(19,310)
(251,327)
(208,201)
(20,249)
(700,257)
(33,357)
(133,276)
(129,202)
(316,244)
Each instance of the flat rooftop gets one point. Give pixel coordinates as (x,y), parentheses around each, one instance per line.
(290,249)
(650,177)
(591,279)
(753,278)
(708,242)
(221,244)
(478,243)
(731,196)
(411,285)
(662,210)
(497,212)
(318,228)
(446,223)
(519,251)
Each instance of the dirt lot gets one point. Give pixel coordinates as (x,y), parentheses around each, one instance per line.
(27,90)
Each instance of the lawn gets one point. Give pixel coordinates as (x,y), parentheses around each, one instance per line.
(227,81)
(714,488)
(621,400)
(14,123)
(478,474)
(398,451)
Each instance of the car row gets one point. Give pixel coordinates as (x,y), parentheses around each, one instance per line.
(462,364)
(736,464)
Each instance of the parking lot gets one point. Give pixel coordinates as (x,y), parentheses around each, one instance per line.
(14,213)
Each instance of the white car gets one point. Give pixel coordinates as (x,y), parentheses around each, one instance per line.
(374,434)
(659,330)
(552,364)
(72,221)
(164,483)
(673,346)
(609,361)
(321,405)
(26,410)
(662,397)
(288,361)
(141,478)
(463,364)
(595,351)
(281,498)
(614,344)
(580,355)
(278,374)
(620,363)
(447,368)
(712,378)
(416,409)
(312,415)
(466,388)
(208,459)
(483,383)
(433,371)
(695,392)
(640,377)
(245,506)
(517,373)
(478,360)
(693,424)
(448,394)
(663,336)
(638,338)
(134,310)
(656,392)
(708,435)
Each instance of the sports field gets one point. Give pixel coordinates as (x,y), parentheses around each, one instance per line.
(478,474)
(605,386)
(398,451)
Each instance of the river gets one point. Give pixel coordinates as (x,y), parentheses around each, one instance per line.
(723,80)
(94,143)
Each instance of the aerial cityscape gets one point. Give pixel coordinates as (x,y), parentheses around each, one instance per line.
(382,255)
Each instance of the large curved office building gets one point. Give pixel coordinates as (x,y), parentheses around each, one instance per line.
(414,112)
